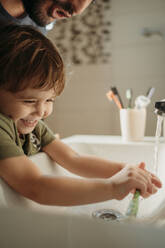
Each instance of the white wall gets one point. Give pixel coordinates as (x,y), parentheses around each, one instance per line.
(137,62)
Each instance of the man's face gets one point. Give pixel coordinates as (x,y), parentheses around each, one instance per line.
(44,12)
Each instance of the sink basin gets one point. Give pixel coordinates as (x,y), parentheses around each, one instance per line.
(109,147)
(75,226)
(112,148)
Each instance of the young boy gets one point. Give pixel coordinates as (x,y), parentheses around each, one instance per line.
(31,76)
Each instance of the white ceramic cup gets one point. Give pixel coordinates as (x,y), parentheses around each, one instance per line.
(133,123)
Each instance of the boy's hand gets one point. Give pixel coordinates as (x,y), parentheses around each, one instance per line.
(134,177)
(155,180)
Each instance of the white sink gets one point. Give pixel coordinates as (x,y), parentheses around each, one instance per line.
(112,148)
(109,147)
(72,227)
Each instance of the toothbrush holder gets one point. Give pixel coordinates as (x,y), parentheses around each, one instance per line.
(132,124)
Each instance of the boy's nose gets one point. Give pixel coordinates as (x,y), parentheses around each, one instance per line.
(40,111)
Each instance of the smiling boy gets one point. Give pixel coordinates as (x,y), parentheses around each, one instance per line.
(26,109)
(31,77)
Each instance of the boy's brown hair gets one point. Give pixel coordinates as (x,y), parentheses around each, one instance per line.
(29,59)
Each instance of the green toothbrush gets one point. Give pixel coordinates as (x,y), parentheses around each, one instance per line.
(134,205)
(129,94)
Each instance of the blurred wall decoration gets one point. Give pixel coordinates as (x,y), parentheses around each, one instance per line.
(84,39)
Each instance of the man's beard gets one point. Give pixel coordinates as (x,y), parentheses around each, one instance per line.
(34,9)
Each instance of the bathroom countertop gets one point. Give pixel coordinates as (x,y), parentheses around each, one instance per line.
(109,139)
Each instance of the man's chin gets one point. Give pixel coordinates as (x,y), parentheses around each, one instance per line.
(41,22)
(34,11)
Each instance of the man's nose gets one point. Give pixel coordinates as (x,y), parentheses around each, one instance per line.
(80,6)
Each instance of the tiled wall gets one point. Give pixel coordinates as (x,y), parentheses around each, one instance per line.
(137,62)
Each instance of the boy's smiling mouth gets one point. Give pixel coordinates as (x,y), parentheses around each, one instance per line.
(29,123)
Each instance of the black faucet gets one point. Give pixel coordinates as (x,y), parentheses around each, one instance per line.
(160,107)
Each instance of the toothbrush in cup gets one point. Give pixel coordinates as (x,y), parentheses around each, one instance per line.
(150,92)
(129,94)
(143,101)
(112,97)
(116,93)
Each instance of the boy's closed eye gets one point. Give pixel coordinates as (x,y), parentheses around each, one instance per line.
(29,101)
(35,101)
(51,100)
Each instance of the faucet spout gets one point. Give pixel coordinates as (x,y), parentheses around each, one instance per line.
(160,107)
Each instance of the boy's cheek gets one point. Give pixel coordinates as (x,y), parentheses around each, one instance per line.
(48,111)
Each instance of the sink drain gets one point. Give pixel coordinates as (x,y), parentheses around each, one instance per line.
(107,215)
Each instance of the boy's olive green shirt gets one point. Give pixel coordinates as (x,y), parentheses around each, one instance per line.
(12,145)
